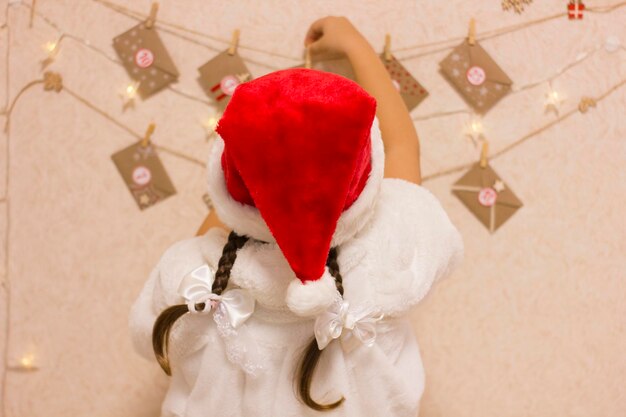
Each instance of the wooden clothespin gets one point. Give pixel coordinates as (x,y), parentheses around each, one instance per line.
(483,154)
(471,35)
(387,51)
(234,42)
(307,57)
(153,14)
(146,138)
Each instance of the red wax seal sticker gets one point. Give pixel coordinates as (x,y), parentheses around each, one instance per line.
(141,175)
(228,84)
(487,196)
(144,58)
(476,75)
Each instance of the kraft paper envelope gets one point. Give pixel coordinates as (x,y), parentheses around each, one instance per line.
(145,58)
(144,174)
(483,192)
(476,76)
(412,92)
(221,75)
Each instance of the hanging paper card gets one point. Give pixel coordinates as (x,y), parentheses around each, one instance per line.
(411,91)
(221,75)
(476,76)
(483,192)
(144,174)
(145,58)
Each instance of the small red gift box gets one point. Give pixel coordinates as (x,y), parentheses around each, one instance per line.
(575,9)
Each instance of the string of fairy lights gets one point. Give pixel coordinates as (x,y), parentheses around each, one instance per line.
(447,43)
(553,98)
(474,129)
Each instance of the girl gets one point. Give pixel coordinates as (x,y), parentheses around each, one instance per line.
(301,308)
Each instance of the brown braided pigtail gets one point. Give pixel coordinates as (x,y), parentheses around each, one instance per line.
(164,323)
(312,355)
(333,268)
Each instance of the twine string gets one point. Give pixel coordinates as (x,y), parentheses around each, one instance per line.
(167,28)
(501,31)
(527,136)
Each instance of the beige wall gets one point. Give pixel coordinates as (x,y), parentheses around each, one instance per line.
(531,325)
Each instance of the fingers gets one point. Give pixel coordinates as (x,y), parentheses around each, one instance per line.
(316,30)
(316,47)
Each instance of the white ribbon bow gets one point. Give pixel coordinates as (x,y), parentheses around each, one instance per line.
(340,321)
(230,311)
(196,288)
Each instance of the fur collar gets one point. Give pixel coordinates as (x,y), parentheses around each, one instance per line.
(392,262)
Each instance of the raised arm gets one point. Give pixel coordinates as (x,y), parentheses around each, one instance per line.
(332,36)
(336,36)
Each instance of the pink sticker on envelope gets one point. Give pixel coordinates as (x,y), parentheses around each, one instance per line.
(476,75)
(144,58)
(487,196)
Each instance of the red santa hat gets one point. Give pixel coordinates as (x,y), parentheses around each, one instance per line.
(298,161)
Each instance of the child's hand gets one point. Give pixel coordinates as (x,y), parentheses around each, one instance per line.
(333,36)
(336,36)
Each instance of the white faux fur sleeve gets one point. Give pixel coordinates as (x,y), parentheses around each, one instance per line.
(142,317)
(410,244)
(161,291)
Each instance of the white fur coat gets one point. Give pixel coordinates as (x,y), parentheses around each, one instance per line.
(390,264)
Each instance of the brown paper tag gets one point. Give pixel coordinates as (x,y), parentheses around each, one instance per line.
(144,174)
(484,193)
(221,75)
(145,58)
(476,76)
(412,92)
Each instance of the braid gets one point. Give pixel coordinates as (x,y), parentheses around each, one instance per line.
(312,354)
(225,264)
(333,268)
(164,323)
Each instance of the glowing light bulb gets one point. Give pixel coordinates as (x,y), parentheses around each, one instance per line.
(554,96)
(474,130)
(131,90)
(27,362)
(209,125)
(51,47)
(553,101)
(128,95)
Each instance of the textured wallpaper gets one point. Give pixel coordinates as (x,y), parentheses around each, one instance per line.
(532,324)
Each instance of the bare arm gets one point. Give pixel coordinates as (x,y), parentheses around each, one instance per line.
(336,35)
